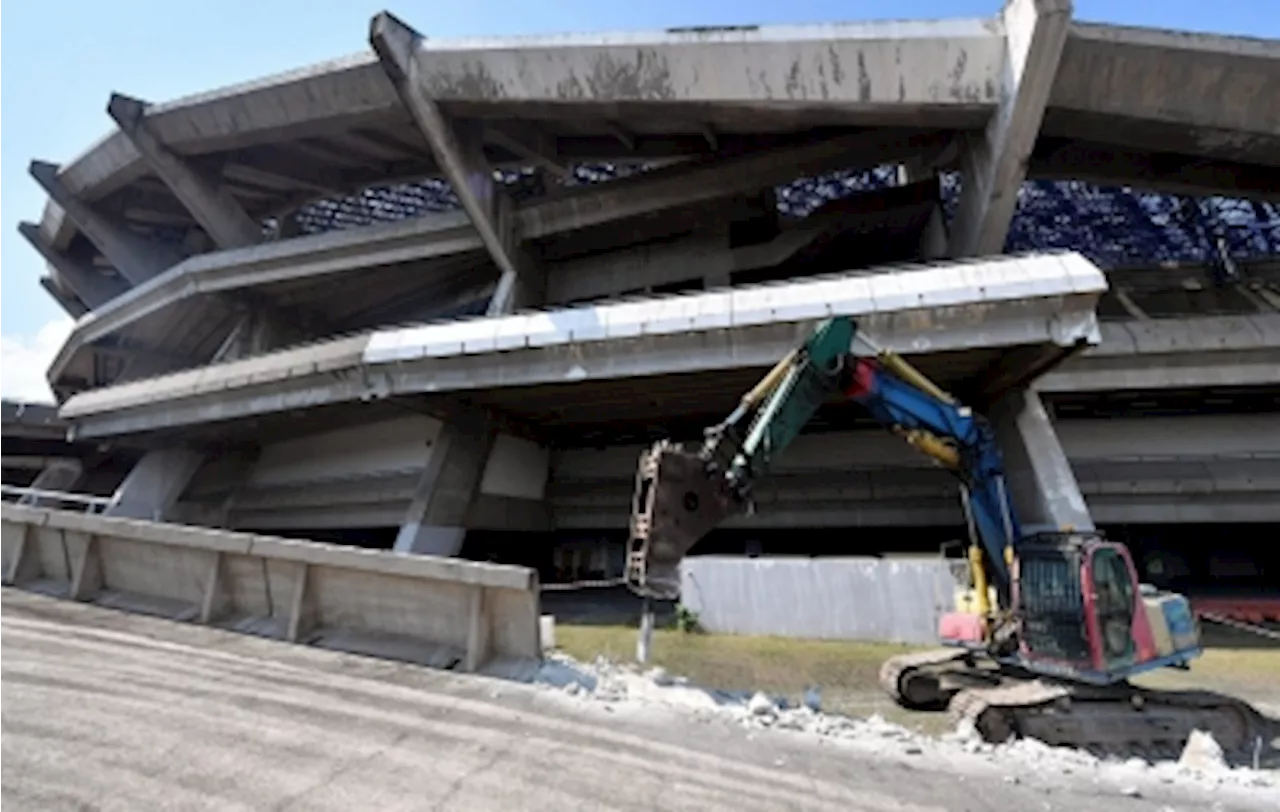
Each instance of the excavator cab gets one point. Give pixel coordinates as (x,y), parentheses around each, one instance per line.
(1083,613)
(1074,609)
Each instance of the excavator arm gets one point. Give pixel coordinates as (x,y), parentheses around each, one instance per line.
(681,494)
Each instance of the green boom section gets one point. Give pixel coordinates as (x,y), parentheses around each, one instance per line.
(811,379)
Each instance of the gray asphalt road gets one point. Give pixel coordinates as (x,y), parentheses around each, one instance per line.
(105,710)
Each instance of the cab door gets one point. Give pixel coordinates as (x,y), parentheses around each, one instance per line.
(1111,615)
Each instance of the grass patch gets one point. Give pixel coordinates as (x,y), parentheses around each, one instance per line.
(1249,673)
(848,671)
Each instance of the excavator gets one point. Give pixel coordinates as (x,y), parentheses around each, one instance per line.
(1049,625)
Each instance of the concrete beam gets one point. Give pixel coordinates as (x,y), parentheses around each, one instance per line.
(136,258)
(259,330)
(868,66)
(1154,170)
(435,522)
(459,150)
(93,288)
(1002,302)
(714,178)
(210,203)
(1186,353)
(706,256)
(67,300)
(155,484)
(540,151)
(995,163)
(1205,95)
(1041,485)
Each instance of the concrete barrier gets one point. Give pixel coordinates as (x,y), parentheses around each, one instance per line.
(895,600)
(436,611)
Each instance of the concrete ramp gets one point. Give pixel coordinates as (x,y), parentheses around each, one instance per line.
(435,611)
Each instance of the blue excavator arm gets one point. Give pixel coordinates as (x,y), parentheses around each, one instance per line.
(681,495)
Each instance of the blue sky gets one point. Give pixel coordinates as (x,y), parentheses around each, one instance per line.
(61,60)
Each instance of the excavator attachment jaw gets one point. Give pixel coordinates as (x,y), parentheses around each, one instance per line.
(679,498)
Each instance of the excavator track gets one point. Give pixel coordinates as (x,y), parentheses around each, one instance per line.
(909,678)
(1118,720)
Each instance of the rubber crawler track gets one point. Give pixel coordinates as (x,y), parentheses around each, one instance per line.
(893,669)
(1108,721)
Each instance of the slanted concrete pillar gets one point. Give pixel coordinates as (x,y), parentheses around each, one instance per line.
(435,523)
(59,475)
(259,330)
(995,163)
(210,203)
(1041,484)
(155,484)
(459,151)
(69,302)
(92,288)
(135,257)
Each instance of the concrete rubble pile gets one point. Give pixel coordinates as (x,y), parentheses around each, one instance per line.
(622,687)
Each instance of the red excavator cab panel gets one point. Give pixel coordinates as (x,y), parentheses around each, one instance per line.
(1080,607)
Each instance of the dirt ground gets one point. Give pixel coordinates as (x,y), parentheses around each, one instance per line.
(1235,664)
(106,710)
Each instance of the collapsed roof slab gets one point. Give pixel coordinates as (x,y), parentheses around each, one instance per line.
(1040,301)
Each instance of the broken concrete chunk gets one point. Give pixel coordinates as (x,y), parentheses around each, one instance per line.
(1202,752)
(761,705)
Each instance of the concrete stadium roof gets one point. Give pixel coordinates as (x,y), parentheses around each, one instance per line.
(181,229)
(1001,321)
(1128,105)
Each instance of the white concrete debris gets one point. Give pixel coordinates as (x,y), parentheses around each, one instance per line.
(618,685)
(1202,752)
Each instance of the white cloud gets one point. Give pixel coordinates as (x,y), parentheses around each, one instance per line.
(26,359)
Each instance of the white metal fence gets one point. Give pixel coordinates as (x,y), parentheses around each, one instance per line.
(886,599)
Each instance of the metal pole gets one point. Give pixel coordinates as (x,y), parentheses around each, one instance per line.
(646,631)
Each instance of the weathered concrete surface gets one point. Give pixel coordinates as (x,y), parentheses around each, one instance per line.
(1044,300)
(459,152)
(1199,94)
(424,609)
(210,203)
(155,484)
(1206,468)
(97,704)
(173,298)
(995,162)
(1185,353)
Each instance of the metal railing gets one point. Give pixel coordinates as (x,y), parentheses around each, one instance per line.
(35,496)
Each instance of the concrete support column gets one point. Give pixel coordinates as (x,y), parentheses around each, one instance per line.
(155,484)
(210,203)
(995,162)
(135,257)
(66,299)
(459,151)
(59,475)
(435,523)
(1041,483)
(258,331)
(92,288)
